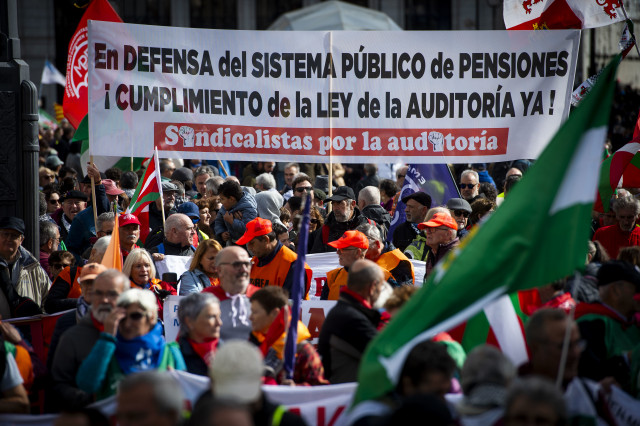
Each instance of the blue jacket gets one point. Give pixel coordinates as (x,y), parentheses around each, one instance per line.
(247,205)
(193,282)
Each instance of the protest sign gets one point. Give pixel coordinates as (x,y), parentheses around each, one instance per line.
(477,96)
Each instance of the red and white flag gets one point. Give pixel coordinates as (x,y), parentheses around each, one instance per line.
(560,14)
(148,191)
(76,98)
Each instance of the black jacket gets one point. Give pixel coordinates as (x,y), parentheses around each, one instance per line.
(362,328)
(172,249)
(194,362)
(335,231)
(380,216)
(404,234)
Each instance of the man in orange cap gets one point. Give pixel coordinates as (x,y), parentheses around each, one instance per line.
(352,246)
(272,262)
(441,232)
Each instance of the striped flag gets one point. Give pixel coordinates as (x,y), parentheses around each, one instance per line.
(297,291)
(149,190)
(537,236)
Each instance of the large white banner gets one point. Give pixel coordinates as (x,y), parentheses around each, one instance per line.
(436,97)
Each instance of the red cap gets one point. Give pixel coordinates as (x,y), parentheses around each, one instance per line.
(439,219)
(111,188)
(128,219)
(351,239)
(256,228)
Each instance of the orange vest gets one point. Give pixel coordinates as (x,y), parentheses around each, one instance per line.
(337,278)
(275,272)
(74,287)
(391,259)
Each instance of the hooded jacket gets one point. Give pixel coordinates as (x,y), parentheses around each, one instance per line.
(268,205)
(247,205)
(380,216)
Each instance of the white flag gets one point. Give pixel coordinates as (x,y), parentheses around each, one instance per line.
(50,75)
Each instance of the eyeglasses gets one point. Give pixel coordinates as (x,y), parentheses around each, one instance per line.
(13,236)
(304,188)
(467,185)
(56,202)
(111,295)
(237,264)
(135,316)
(314,221)
(59,265)
(462,213)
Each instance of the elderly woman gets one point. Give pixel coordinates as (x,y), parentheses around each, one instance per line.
(269,314)
(131,342)
(199,315)
(141,271)
(202,272)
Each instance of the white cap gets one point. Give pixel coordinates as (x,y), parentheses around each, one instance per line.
(236,372)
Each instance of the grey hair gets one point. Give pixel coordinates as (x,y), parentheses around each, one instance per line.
(486,365)
(212,184)
(114,275)
(266,180)
(289,165)
(537,390)
(47,231)
(191,306)
(204,170)
(145,298)
(135,256)
(370,231)
(174,222)
(472,173)
(104,218)
(626,203)
(433,210)
(165,165)
(101,245)
(369,195)
(167,393)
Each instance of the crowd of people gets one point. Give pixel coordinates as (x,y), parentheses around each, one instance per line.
(238,230)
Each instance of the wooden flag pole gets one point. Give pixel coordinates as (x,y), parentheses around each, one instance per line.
(93,195)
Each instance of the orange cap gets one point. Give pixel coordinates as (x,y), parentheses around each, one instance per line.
(90,271)
(256,228)
(439,219)
(351,239)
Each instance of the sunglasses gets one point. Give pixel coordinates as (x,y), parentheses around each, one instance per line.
(314,221)
(462,213)
(135,316)
(304,188)
(56,202)
(467,185)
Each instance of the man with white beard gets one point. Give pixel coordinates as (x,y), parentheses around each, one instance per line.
(76,343)
(623,234)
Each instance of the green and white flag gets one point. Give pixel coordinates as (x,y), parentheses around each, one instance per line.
(537,236)
(102,162)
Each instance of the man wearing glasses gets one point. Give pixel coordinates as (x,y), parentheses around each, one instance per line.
(234,271)
(49,242)
(441,233)
(460,211)
(23,283)
(469,185)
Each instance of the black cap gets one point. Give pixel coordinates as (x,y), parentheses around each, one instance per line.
(618,270)
(319,194)
(459,204)
(342,193)
(73,195)
(10,222)
(421,197)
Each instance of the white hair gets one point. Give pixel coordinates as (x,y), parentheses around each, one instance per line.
(135,256)
(370,195)
(472,173)
(266,180)
(145,298)
(101,245)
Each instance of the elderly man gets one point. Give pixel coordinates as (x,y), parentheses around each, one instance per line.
(387,257)
(266,182)
(149,398)
(344,217)
(169,191)
(73,202)
(369,205)
(623,234)
(351,247)
(609,328)
(272,262)
(49,242)
(352,323)
(469,185)
(441,233)
(460,210)
(77,342)
(178,237)
(23,282)
(201,176)
(129,232)
(417,206)
(167,168)
(234,269)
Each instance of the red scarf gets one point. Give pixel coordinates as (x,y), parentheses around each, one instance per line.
(205,349)
(97,324)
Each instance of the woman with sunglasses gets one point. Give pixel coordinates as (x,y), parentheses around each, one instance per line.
(202,272)
(142,272)
(131,342)
(52,196)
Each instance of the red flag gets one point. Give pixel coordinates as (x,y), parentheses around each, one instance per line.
(560,14)
(76,100)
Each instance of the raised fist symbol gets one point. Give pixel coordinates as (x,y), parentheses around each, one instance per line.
(437,140)
(188,136)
